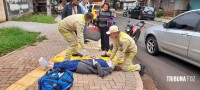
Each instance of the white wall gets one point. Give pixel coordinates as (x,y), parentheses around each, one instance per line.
(180,5)
(129,5)
(17,8)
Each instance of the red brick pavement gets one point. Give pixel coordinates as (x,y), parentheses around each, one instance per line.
(15,65)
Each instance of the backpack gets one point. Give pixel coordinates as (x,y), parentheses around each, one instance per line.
(111,21)
(56,79)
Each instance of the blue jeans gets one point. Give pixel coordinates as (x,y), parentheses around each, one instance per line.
(104,38)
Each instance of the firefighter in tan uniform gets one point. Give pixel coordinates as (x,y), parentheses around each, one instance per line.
(71,28)
(124,50)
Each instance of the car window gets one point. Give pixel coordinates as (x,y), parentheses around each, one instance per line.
(97,7)
(198,25)
(137,8)
(187,21)
(148,9)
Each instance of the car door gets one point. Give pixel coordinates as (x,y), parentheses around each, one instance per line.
(136,11)
(194,47)
(176,38)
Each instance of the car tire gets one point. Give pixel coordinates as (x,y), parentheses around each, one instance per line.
(152,18)
(152,46)
(125,14)
(137,35)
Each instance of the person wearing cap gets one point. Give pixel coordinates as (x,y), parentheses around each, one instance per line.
(124,50)
(71,29)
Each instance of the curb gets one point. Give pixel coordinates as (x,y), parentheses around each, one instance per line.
(138,79)
(139,82)
(162,20)
(10,53)
(34,44)
(14,51)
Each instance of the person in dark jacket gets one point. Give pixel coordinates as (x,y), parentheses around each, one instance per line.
(95,66)
(71,8)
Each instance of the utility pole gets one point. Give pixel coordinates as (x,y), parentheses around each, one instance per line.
(48,7)
(114,4)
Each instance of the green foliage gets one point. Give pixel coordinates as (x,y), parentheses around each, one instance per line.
(37,17)
(159,14)
(12,38)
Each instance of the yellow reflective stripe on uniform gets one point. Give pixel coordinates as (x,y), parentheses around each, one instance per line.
(66,34)
(131,56)
(60,27)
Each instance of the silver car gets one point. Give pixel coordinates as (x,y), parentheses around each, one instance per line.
(180,37)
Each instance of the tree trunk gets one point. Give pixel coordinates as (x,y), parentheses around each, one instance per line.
(48,7)
(114,4)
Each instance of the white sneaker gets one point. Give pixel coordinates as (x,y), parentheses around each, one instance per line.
(93,61)
(43,62)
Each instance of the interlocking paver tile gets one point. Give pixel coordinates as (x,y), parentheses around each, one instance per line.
(16,65)
(25,60)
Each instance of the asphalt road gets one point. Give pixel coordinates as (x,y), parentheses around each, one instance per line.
(159,67)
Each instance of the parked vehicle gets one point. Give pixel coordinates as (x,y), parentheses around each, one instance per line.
(179,37)
(127,12)
(134,30)
(94,8)
(144,12)
(54,6)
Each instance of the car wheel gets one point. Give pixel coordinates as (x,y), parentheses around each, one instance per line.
(125,14)
(152,18)
(152,46)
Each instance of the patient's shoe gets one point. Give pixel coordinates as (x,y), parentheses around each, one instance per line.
(43,62)
(141,72)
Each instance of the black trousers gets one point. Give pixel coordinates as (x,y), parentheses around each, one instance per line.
(84,30)
(104,38)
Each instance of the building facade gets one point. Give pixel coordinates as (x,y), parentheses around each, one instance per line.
(2,12)
(15,8)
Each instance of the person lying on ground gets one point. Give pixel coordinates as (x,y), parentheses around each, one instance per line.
(97,66)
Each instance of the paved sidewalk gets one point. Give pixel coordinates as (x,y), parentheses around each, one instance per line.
(118,80)
(17,65)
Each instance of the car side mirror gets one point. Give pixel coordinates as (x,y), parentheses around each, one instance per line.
(166,25)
